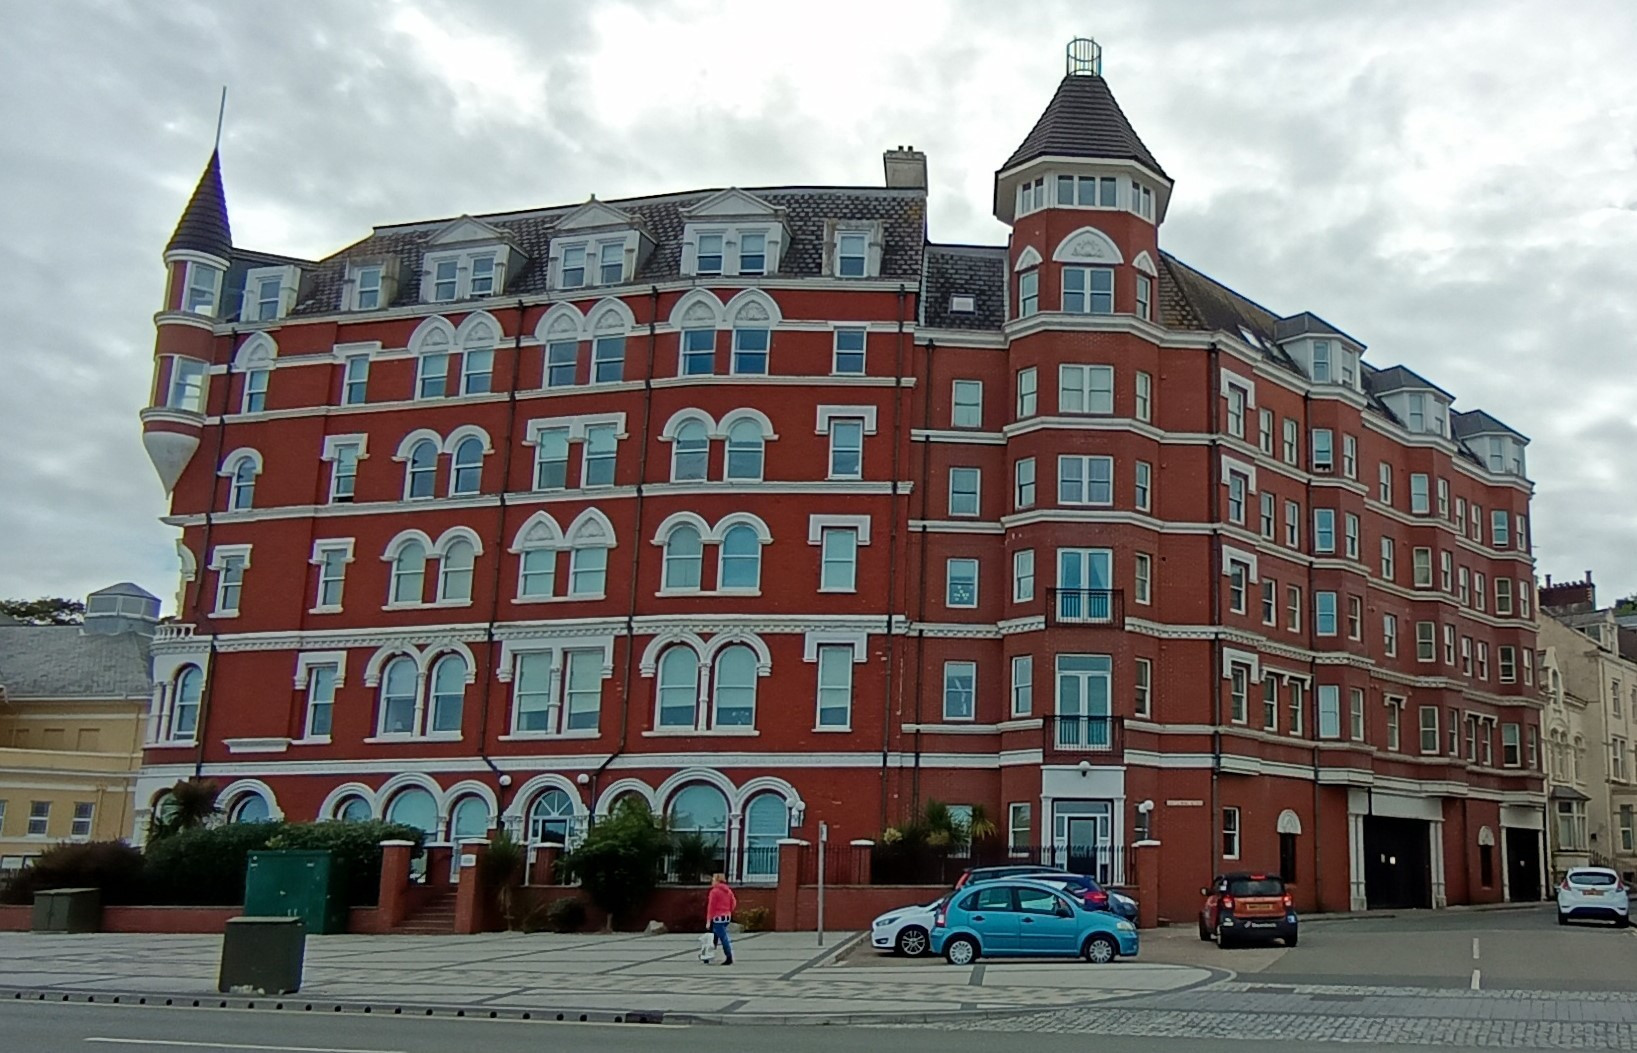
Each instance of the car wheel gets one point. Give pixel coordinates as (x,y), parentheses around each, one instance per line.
(913,942)
(1223,940)
(1290,941)
(1204,933)
(1100,950)
(1562,918)
(1622,921)
(961,951)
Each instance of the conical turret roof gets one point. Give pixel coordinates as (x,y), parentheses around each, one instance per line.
(1083,120)
(203,226)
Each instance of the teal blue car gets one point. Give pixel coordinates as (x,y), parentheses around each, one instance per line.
(1027,919)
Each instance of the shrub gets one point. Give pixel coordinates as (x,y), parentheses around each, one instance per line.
(618,862)
(112,866)
(566,915)
(754,919)
(205,866)
(355,851)
(188,805)
(501,871)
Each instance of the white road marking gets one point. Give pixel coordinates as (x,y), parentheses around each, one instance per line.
(1474,948)
(1475,979)
(232,1045)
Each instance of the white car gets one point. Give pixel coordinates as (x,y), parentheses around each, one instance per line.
(1593,892)
(907,930)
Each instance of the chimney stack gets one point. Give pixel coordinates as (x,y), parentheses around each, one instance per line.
(906,168)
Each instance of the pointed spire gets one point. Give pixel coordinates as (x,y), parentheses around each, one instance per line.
(203,226)
(1083,120)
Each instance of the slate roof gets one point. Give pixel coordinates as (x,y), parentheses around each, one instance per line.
(1398,378)
(203,226)
(978,271)
(901,212)
(1477,422)
(1083,120)
(1308,323)
(61,662)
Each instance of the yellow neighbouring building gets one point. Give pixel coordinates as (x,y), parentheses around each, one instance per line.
(73,702)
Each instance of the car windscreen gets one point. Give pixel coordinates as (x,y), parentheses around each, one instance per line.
(1590,877)
(1256,887)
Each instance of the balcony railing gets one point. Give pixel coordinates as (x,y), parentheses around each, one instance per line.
(173,631)
(1081,735)
(1086,607)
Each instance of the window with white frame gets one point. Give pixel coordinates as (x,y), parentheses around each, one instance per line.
(852,254)
(1324,613)
(1022,685)
(1238,585)
(367,286)
(1023,492)
(1290,451)
(1508,656)
(1426,642)
(683,560)
(1142,578)
(431,375)
(1236,410)
(750,351)
(455,572)
(1145,396)
(466,467)
(1085,389)
(1264,430)
(321,681)
(1443,497)
(1324,530)
(1142,687)
(1449,645)
(331,558)
(1388,565)
(1268,511)
(241,487)
(967,409)
(39,818)
(835,687)
(1523,598)
(838,559)
(186,691)
(1088,290)
(1422,578)
(1323,450)
(1230,833)
(1384,485)
(690,452)
(1293,608)
(551,458)
(961,582)
(1389,635)
(1270,601)
(587,570)
(849,352)
(846,447)
(1420,501)
(1446,573)
(1031,196)
(739,561)
(960,690)
(355,380)
(1142,475)
(1500,529)
(746,447)
(1028,293)
(1023,575)
(1328,702)
(1238,693)
(1293,524)
(697,353)
(254,396)
(84,812)
(1297,693)
(608,359)
(1085,480)
(1087,191)
(1349,456)
(1350,533)
(1142,200)
(562,363)
(1145,296)
(1027,392)
(964,484)
(187,384)
(229,563)
(1270,703)
(610,262)
(1355,618)
(202,286)
(598,459)
(408,574)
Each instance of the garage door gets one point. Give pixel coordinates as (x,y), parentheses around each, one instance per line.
(1397,863)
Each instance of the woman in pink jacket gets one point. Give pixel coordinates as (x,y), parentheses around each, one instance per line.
(719,904)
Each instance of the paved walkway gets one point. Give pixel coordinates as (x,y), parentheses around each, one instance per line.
(775,975)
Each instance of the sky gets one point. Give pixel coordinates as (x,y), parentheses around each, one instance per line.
(1453,183)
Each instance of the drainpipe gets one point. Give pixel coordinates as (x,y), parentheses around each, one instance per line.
(1312,697)
(494,584)
(920,606)
(888,711)
(203,564)
(1214,499)
(637,535)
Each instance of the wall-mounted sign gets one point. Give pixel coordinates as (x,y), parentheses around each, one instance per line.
(1184,804)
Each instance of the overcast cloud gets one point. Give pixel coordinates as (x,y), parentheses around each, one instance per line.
(1453,183)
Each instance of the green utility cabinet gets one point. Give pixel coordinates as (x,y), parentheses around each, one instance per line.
(68,910)
(296,884)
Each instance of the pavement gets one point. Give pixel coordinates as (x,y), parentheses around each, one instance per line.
(776,977)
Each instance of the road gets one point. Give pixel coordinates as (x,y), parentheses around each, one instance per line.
(57,1028)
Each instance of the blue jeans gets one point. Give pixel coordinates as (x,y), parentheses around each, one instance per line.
(719,929)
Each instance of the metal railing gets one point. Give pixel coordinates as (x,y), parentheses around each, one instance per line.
(1085,734)
(1102,607)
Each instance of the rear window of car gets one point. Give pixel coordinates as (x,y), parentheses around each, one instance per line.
(1256,887)
(1590,877)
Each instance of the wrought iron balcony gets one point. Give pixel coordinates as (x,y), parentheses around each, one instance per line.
(1102,607)
(1085,737)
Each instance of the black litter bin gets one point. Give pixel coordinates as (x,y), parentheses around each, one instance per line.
(68,910)
(262,956)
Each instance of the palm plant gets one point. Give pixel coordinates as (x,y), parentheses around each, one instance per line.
(189,804)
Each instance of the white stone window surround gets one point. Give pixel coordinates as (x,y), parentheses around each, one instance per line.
(385,285)
(827,413)
(817,524)
(709,535)
(629,241)
(732,233)
(289,279)
(463,259)
(874,236)
(575,426)
(1242,382)
(1232,555)
(306,660)
(511,653)
(1088,245)
(435,551)
(344,545)
(219,562)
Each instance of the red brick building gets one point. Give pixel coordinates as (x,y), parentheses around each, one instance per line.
(759,504)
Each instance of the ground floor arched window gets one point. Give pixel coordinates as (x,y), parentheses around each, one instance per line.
(767,822)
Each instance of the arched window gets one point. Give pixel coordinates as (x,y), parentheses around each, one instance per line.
(745,446)
(189,686)
(409,573)
(242,496)
(469,818)
(678,688)
(353,809)
(466,477)
(423,469)
(741,558)
(415,807)
(734,705)
(767,822)
(550,817)
(455,572)
(684,555)
(448,693)
(690,456)
(398,697)
(703,810)
(249,808)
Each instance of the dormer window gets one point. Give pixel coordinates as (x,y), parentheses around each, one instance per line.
(709,258)
(483,275)
(445,280)
(367,288)
(1031,196)
(370,285)
(1142,200)
(1321,361)
(464,274)
(852,255)
(753,253)
(203,286)
(573,267)
(611,263)
(1087,191)
(265,307)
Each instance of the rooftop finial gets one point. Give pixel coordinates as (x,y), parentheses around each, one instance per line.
(221,112)
(1085,58)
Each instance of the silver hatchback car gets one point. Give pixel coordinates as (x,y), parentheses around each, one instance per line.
(1593,892)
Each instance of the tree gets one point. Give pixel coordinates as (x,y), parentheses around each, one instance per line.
(47,610)
(1626,605)
(618,862)
(189,804)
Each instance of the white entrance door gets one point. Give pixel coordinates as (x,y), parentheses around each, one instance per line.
(1082,838)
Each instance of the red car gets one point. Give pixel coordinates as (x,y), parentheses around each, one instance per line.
(1244,906)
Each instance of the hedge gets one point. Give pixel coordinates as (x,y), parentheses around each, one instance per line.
(206,866)
(112,866)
